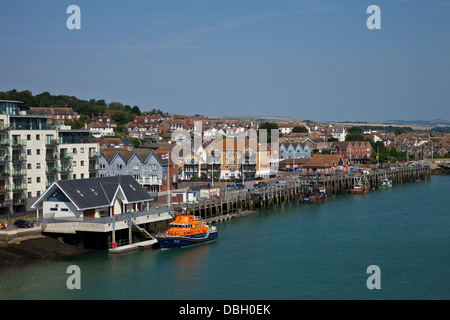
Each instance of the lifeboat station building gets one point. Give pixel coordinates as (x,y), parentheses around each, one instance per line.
(96,212)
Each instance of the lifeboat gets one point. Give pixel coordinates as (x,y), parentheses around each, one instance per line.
(186,230)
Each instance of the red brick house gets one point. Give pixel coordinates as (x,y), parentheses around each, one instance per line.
(355,151)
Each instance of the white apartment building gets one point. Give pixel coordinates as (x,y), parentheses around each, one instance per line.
(33,156)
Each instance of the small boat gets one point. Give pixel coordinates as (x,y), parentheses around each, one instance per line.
(186,230)
(360,187)
(386,183)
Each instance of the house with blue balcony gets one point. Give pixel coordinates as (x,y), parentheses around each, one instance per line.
(295,150)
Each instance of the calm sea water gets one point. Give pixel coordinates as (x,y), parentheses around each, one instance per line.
(311,251)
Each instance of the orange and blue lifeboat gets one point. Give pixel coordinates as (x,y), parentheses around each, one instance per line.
(186,230)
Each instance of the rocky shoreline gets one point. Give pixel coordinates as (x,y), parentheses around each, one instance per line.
(28,250)
(440,172)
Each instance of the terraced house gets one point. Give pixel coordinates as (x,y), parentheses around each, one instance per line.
(34,154)
(295,150)
(150,169)
(235,159)
(355,151)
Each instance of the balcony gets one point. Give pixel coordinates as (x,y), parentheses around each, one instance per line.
(19,202)
(5,189)
(150,181)
(94,167)
(18,143)
(52,141)
(94,155)
(4,203)
(18,158)
(19,187)
(4,127)
(65,170)
(51,171)
(48,183)
(5,174)
(18,173)
(5,158)
(66,156)
(5,143)
(51,156)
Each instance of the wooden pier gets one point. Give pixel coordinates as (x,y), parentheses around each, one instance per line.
(299,188)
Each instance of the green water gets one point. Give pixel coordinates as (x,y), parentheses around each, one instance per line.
(310,251)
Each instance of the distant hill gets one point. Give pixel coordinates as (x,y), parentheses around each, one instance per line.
(277,119)
(432,123)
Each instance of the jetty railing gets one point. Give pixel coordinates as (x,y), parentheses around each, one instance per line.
(51,218)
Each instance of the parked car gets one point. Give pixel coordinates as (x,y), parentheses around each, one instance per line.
(230,187)
(261,185)
(23,224)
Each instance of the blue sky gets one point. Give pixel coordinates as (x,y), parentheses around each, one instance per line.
(311,59)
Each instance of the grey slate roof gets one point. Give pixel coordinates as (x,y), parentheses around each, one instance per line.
(99,192)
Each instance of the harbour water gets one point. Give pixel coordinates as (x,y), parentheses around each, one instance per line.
(307,251)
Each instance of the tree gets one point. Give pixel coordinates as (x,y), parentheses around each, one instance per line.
(116,106)
(136,142)
(354,137)
(355,130)
(269,126)
(136,110)
(299,129)
(399,131)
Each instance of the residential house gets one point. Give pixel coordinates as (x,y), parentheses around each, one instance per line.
(55,115)
(101,126)
(355,151)
(295,150)
(143,165)
(121,143)
(239,158)
(338,133)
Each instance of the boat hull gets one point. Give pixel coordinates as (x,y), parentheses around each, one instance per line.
(168,242)
(360,191)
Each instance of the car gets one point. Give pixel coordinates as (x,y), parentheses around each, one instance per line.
(261,185)
(21,223)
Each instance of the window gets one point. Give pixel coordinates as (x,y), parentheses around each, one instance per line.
(38,151)
(81,150)
(28,165)
(38,137)
(28,152)
(28,137)
(119,166)
(38,179)
(135,166)
(38,165)
(74,150)
(82,163)
(28,180)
